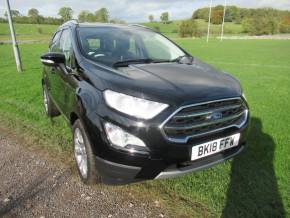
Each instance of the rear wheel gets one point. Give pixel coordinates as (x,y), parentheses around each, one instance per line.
(84,156)
(49,107)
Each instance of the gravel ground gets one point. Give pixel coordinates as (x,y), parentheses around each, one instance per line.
(36,185)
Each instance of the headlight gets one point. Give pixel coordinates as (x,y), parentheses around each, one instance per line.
(122,139)
(136,107)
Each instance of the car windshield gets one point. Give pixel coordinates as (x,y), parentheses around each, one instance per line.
(115,45)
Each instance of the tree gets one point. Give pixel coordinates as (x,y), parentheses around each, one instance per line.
(116,20)
(33,16)
(201,13)
(91,17)
(260,25)
(248,26)
(14,13)
(151,18)
(83,15)
(285,24)
(86,16)
(217,16)
(233,14)
(164,17)
(65,13)
(102,15)
(189,28)
(33,12)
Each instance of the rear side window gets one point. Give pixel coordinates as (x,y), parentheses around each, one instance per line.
(65,41)
(54,45)
(66,46)
(56,37)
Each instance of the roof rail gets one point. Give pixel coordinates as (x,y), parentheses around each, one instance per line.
(142,26)
(73,21)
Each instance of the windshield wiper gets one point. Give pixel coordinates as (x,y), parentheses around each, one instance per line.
(126,63)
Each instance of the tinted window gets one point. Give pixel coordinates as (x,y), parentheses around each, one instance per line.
(54,46)
(66,45)
(56,37)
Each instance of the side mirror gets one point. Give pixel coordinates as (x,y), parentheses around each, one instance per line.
(186,60)
(53,59)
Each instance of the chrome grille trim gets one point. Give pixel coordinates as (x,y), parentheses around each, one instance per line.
(205,123)
(243,115)
(207,112)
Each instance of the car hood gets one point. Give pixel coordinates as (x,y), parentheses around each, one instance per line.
(171,83)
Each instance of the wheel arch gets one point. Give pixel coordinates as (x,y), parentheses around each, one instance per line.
(73,118)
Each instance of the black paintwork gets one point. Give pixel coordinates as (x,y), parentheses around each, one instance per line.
(77,91)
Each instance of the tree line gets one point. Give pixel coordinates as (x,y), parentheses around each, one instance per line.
(254,21)
(32,17)
(258,21)
(66,13)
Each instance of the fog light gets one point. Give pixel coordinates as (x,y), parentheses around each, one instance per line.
(122,139)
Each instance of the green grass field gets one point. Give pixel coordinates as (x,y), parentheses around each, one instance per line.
(255,184)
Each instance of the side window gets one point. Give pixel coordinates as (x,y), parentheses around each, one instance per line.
(54,45)
(66,46)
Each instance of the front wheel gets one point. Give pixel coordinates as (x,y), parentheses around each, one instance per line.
(84,156)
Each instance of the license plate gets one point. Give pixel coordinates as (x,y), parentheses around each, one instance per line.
(213,147)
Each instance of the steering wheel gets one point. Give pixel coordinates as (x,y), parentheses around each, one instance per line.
(96,54)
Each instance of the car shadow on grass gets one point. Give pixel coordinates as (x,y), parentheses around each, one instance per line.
(253,189)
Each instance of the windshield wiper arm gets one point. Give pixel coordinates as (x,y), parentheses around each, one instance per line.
(126,63)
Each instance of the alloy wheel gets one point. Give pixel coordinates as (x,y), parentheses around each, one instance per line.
(80,152)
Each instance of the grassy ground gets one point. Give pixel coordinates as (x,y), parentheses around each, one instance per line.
(255,184)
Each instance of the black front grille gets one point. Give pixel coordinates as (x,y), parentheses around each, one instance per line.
(205,118)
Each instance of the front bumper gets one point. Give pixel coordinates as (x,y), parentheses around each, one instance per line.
(164,159)
(174,171)
(118,174)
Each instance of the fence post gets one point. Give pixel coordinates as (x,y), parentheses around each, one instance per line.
(14,42)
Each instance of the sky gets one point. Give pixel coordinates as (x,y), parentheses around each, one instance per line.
(134,10)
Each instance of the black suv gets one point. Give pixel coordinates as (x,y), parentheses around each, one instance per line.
(140,106)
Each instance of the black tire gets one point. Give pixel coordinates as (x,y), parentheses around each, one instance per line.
(49,107)
(91,176)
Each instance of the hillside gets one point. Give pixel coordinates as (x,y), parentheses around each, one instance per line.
(171,29)
(27,31)
(43,31)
